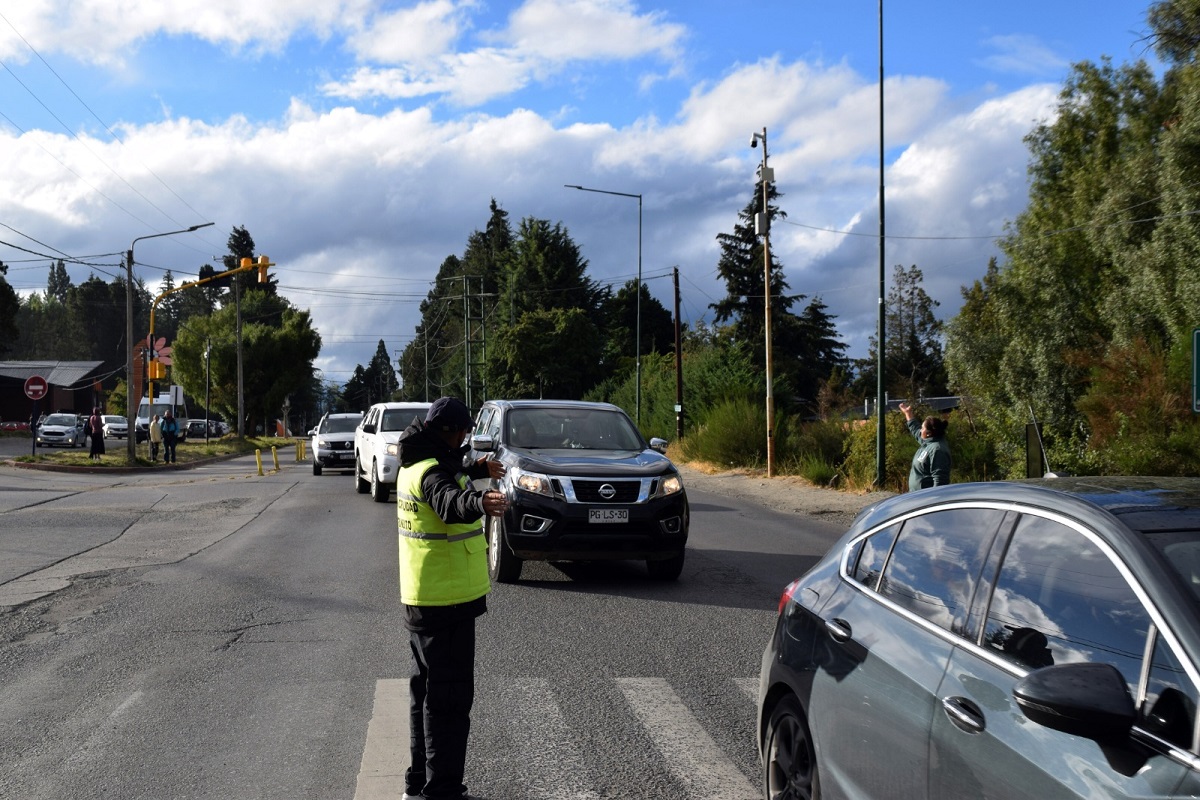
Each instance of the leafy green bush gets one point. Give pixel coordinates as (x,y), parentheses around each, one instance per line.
(733,434)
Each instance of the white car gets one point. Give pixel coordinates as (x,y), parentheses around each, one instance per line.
(375,451)
(61,429)
(333,441)
(114,427)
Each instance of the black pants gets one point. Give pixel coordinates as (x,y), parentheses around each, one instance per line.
(169,449)
(441,690)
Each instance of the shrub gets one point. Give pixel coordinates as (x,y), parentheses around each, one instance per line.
(733,434)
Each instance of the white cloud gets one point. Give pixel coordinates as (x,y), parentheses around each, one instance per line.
(410,35)
(583,30)
(542,37)
(105,31)
(1023,55)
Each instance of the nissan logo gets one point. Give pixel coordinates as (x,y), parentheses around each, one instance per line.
(607,491)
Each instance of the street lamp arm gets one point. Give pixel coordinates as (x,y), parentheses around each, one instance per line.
(600,191)
(638,331)
(130,400)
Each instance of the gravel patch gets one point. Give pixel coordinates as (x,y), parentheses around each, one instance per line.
(789,494)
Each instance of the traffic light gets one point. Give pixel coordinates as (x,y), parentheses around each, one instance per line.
(263,263)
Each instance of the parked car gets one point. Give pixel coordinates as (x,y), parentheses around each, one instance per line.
(115,427)
(1000,640)
(333,441)
(63,430)
(375,453)
(582,484)
(202,429)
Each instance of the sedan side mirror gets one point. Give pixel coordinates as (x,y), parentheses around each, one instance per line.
(1088,700)
(659,444)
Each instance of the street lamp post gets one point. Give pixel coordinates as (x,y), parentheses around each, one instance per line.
(880,405)
(638,332)
(131,401)
(763,226)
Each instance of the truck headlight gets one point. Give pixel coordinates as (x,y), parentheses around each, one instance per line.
(533,482)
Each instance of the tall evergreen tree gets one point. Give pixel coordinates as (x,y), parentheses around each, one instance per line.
(913,356)
(58,283)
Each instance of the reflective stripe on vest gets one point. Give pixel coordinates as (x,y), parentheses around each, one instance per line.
(440,563)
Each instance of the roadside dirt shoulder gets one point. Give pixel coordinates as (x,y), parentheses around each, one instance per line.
(788,494)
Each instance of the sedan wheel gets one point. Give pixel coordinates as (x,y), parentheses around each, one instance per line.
(790,765)
(504,566)
(379,490)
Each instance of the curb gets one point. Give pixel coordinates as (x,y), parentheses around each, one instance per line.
(122,469)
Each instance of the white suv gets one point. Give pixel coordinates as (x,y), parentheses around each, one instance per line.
(375,450)
(333,440)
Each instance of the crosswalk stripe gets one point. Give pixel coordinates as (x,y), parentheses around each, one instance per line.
(689,752)
(385,755)
(535,724)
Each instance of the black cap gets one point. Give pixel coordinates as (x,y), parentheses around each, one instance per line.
(449,414)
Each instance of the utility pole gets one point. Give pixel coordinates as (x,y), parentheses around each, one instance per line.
(762,226)
(678,363)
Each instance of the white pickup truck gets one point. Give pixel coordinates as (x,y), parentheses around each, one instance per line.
(375,461)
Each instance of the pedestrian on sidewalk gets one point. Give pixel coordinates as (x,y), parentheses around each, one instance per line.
(156,437)
(95,429)
(931,463)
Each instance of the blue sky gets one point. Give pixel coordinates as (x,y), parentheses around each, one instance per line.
(360,142)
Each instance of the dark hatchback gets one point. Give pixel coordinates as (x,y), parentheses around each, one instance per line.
(582,485)
(1003,640)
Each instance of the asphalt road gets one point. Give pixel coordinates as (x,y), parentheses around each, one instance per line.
(213,633)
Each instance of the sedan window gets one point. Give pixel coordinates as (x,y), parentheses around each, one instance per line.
(1060,599)
(936,562)
(866,563)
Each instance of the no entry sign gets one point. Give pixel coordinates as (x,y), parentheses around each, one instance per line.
(36,387)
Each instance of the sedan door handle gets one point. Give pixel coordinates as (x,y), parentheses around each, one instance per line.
(839,629)
(965,715)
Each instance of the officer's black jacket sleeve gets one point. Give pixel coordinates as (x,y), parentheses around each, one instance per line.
(452,503)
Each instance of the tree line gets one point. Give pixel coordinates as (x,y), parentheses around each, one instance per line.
(86,322)
(1083,326)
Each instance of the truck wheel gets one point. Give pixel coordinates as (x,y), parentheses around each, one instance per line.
(361,484)
(504,566)
(380,491)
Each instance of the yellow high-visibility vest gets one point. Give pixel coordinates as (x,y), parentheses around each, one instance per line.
(440,564)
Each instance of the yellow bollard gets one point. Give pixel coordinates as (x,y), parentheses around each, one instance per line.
(258,458)
(275,457)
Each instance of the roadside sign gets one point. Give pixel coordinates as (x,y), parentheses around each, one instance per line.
(36,387)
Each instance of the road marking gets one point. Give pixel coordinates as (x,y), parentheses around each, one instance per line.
(688,751)
(535,724)
(385,756)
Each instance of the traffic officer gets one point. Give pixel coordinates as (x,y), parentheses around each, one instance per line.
(443,588)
